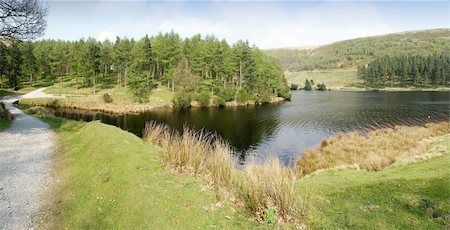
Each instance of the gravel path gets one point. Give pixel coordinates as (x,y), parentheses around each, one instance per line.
(26,150)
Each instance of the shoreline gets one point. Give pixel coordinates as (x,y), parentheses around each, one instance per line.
(120,109)
(393,89)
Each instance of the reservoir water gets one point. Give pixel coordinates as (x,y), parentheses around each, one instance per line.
(287,129)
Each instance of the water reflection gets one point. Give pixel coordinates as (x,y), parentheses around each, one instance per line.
(287,129)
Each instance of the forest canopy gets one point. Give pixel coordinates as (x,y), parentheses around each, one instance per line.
(407,70)
(190,65)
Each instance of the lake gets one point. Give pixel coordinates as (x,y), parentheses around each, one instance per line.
(287,129)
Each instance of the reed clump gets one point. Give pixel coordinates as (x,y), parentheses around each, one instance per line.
(193,152)
(379,149)
(267,186)
(257,187)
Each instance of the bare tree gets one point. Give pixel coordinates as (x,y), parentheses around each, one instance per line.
(22,19)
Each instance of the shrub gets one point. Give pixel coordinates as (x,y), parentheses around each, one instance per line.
(4,113)
(321,87)
(285,94)
(226,93)
(182,100)
(243,96)
(220,101)
(294,86)
(265,97)
(308,85)
(107,98)
(203,98)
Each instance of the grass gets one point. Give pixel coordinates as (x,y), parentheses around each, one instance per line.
(374,152)
(270,186)
(404,196)
(5,92)
(346,80)
(107,178)
(84,98)
(4,124)
(122,103)
(257,188)
(336,79)
(5,117)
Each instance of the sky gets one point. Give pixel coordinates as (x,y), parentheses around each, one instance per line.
(267,24)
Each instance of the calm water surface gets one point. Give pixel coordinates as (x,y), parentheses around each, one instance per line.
(287,129)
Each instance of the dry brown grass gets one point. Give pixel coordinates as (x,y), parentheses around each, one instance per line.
(257,187)
(270,185)
(377,150)
(92,103)
(193,152)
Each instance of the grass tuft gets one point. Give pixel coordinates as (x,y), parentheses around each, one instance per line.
(193,152)
(374,152)
(267,186)
(257,187)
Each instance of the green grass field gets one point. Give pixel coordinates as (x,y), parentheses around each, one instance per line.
(399,197)
(338,79)
(110,178)
(4,124)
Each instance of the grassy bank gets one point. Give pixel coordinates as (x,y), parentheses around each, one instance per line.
(120,100)
(377,150)
(405,196)
(345,80)
(337,79)
(108,178)
(259,189)
(5,117)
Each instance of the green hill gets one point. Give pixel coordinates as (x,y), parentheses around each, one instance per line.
(335,64)
(350,53)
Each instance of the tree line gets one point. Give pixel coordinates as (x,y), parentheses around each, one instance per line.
(407,70)
(187,65)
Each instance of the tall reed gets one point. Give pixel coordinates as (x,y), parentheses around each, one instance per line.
(270,185)
(193,152)
(256,187)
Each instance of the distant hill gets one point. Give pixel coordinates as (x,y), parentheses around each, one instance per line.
(351,53)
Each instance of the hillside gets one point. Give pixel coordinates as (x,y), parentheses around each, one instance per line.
(350,53)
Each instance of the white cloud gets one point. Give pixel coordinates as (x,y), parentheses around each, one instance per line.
(266,24)
(102,36)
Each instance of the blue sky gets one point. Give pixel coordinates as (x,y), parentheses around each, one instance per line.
(267,24)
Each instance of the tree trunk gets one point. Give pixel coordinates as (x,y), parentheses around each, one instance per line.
(94,83)
(240,74)
(173,86)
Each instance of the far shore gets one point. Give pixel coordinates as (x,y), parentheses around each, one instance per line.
(387,89)
(97,105)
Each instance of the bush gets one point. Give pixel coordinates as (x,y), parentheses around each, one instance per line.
(107,98)
(308,85)
(4,113)
(321,87)
(203,98)
(182,100)
(265,96)
(220,101)
(243,96)
(286,94)
(226,93)
(294,86)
